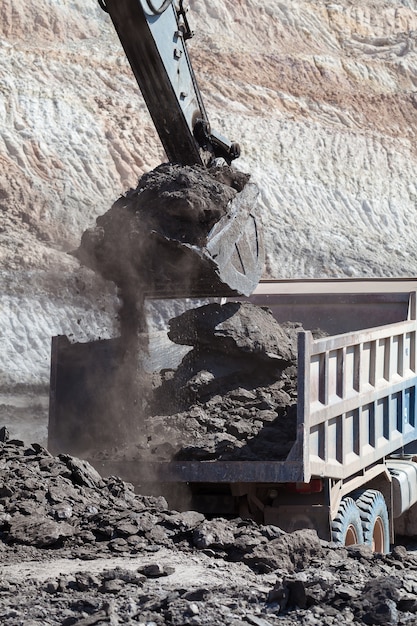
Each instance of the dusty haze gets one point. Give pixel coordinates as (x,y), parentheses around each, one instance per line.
(321,96)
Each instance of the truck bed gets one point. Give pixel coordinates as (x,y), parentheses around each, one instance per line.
(356,396)
(356,405)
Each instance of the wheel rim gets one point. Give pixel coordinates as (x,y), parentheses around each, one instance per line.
(378,536)
(351,538)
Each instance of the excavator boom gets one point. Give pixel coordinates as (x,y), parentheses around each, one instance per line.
(154,39)
(153,34)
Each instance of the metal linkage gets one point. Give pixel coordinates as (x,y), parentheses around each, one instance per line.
(161,9)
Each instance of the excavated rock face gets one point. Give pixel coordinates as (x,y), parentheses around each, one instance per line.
(234,394)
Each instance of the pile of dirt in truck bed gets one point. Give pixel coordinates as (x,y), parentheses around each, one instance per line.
(79,550)
(234,395)
(134,243)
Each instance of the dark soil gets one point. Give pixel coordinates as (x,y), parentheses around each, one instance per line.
(137,243)
(80,550)
(234,395)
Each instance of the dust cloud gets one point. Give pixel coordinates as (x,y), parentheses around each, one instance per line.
(149,244)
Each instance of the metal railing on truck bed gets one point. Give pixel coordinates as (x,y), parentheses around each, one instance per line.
(356,397)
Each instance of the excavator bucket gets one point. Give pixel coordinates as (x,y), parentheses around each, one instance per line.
(183,232)
(229,263)
(151,258)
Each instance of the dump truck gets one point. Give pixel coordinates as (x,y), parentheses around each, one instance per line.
(351,473)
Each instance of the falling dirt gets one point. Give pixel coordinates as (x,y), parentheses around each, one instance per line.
(152,241)
(137,245)
(148,242)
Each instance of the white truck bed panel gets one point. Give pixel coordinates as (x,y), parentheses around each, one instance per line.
(356,397)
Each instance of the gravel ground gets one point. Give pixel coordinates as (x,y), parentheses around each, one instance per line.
(80,550)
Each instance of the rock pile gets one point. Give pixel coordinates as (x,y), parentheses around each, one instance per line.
(234,395)
(49,502)
(78,550)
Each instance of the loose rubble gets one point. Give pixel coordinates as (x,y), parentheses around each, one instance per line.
(79,550)
(235,392)
(234,395)
(149,240)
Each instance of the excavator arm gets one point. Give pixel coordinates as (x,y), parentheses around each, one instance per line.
(153,34)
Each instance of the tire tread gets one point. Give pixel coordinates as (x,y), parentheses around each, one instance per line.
(347,514)
(371,504)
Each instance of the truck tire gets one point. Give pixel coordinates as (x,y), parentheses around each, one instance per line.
(347,525)
(375,520)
